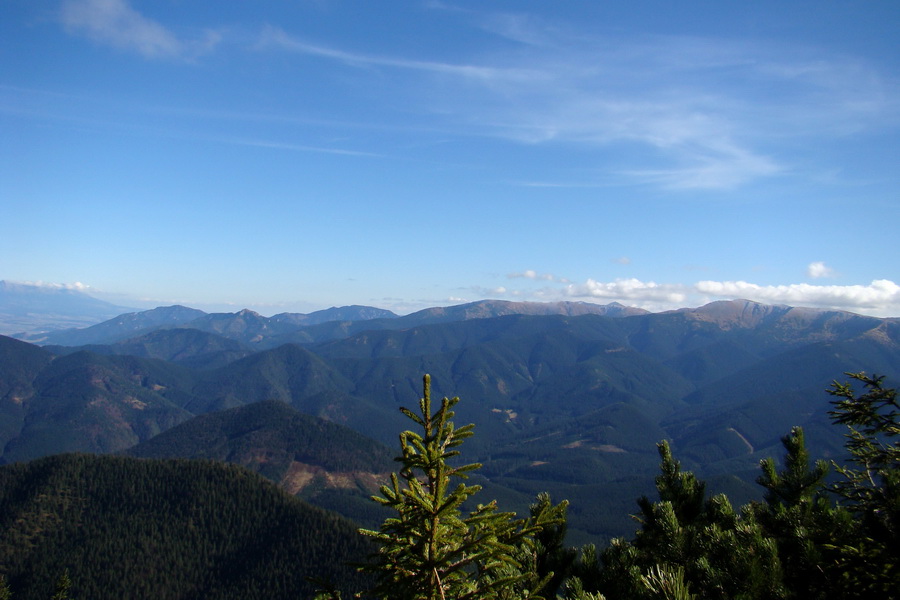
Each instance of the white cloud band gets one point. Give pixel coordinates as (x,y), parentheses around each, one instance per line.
(879,298)
(629,289)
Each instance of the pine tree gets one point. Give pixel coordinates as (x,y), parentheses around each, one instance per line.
(805,524)
(62,587)
(796,484)
(690,546)
(871,485)
(431,550)
(553,560)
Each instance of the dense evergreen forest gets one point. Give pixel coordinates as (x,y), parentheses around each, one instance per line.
(167,529)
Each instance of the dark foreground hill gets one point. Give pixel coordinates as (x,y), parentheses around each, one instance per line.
(126,528)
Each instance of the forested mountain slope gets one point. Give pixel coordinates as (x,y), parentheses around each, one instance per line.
(126,528)
(188,347)
(322,462)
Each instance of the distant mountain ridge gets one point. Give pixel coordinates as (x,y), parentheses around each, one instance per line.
(27,307)
(124,326)
(485,309)
(245,326)
(249,327)
(344,313)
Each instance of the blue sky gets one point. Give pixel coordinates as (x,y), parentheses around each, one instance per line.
(295,155)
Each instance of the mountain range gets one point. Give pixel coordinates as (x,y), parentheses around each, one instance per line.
(566,397)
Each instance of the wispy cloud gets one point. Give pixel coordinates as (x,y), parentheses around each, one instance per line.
(534,275)
(260,143)
(107,113)
(115,23)
(719,165)
(673,112)
(275,37)
(689,112)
